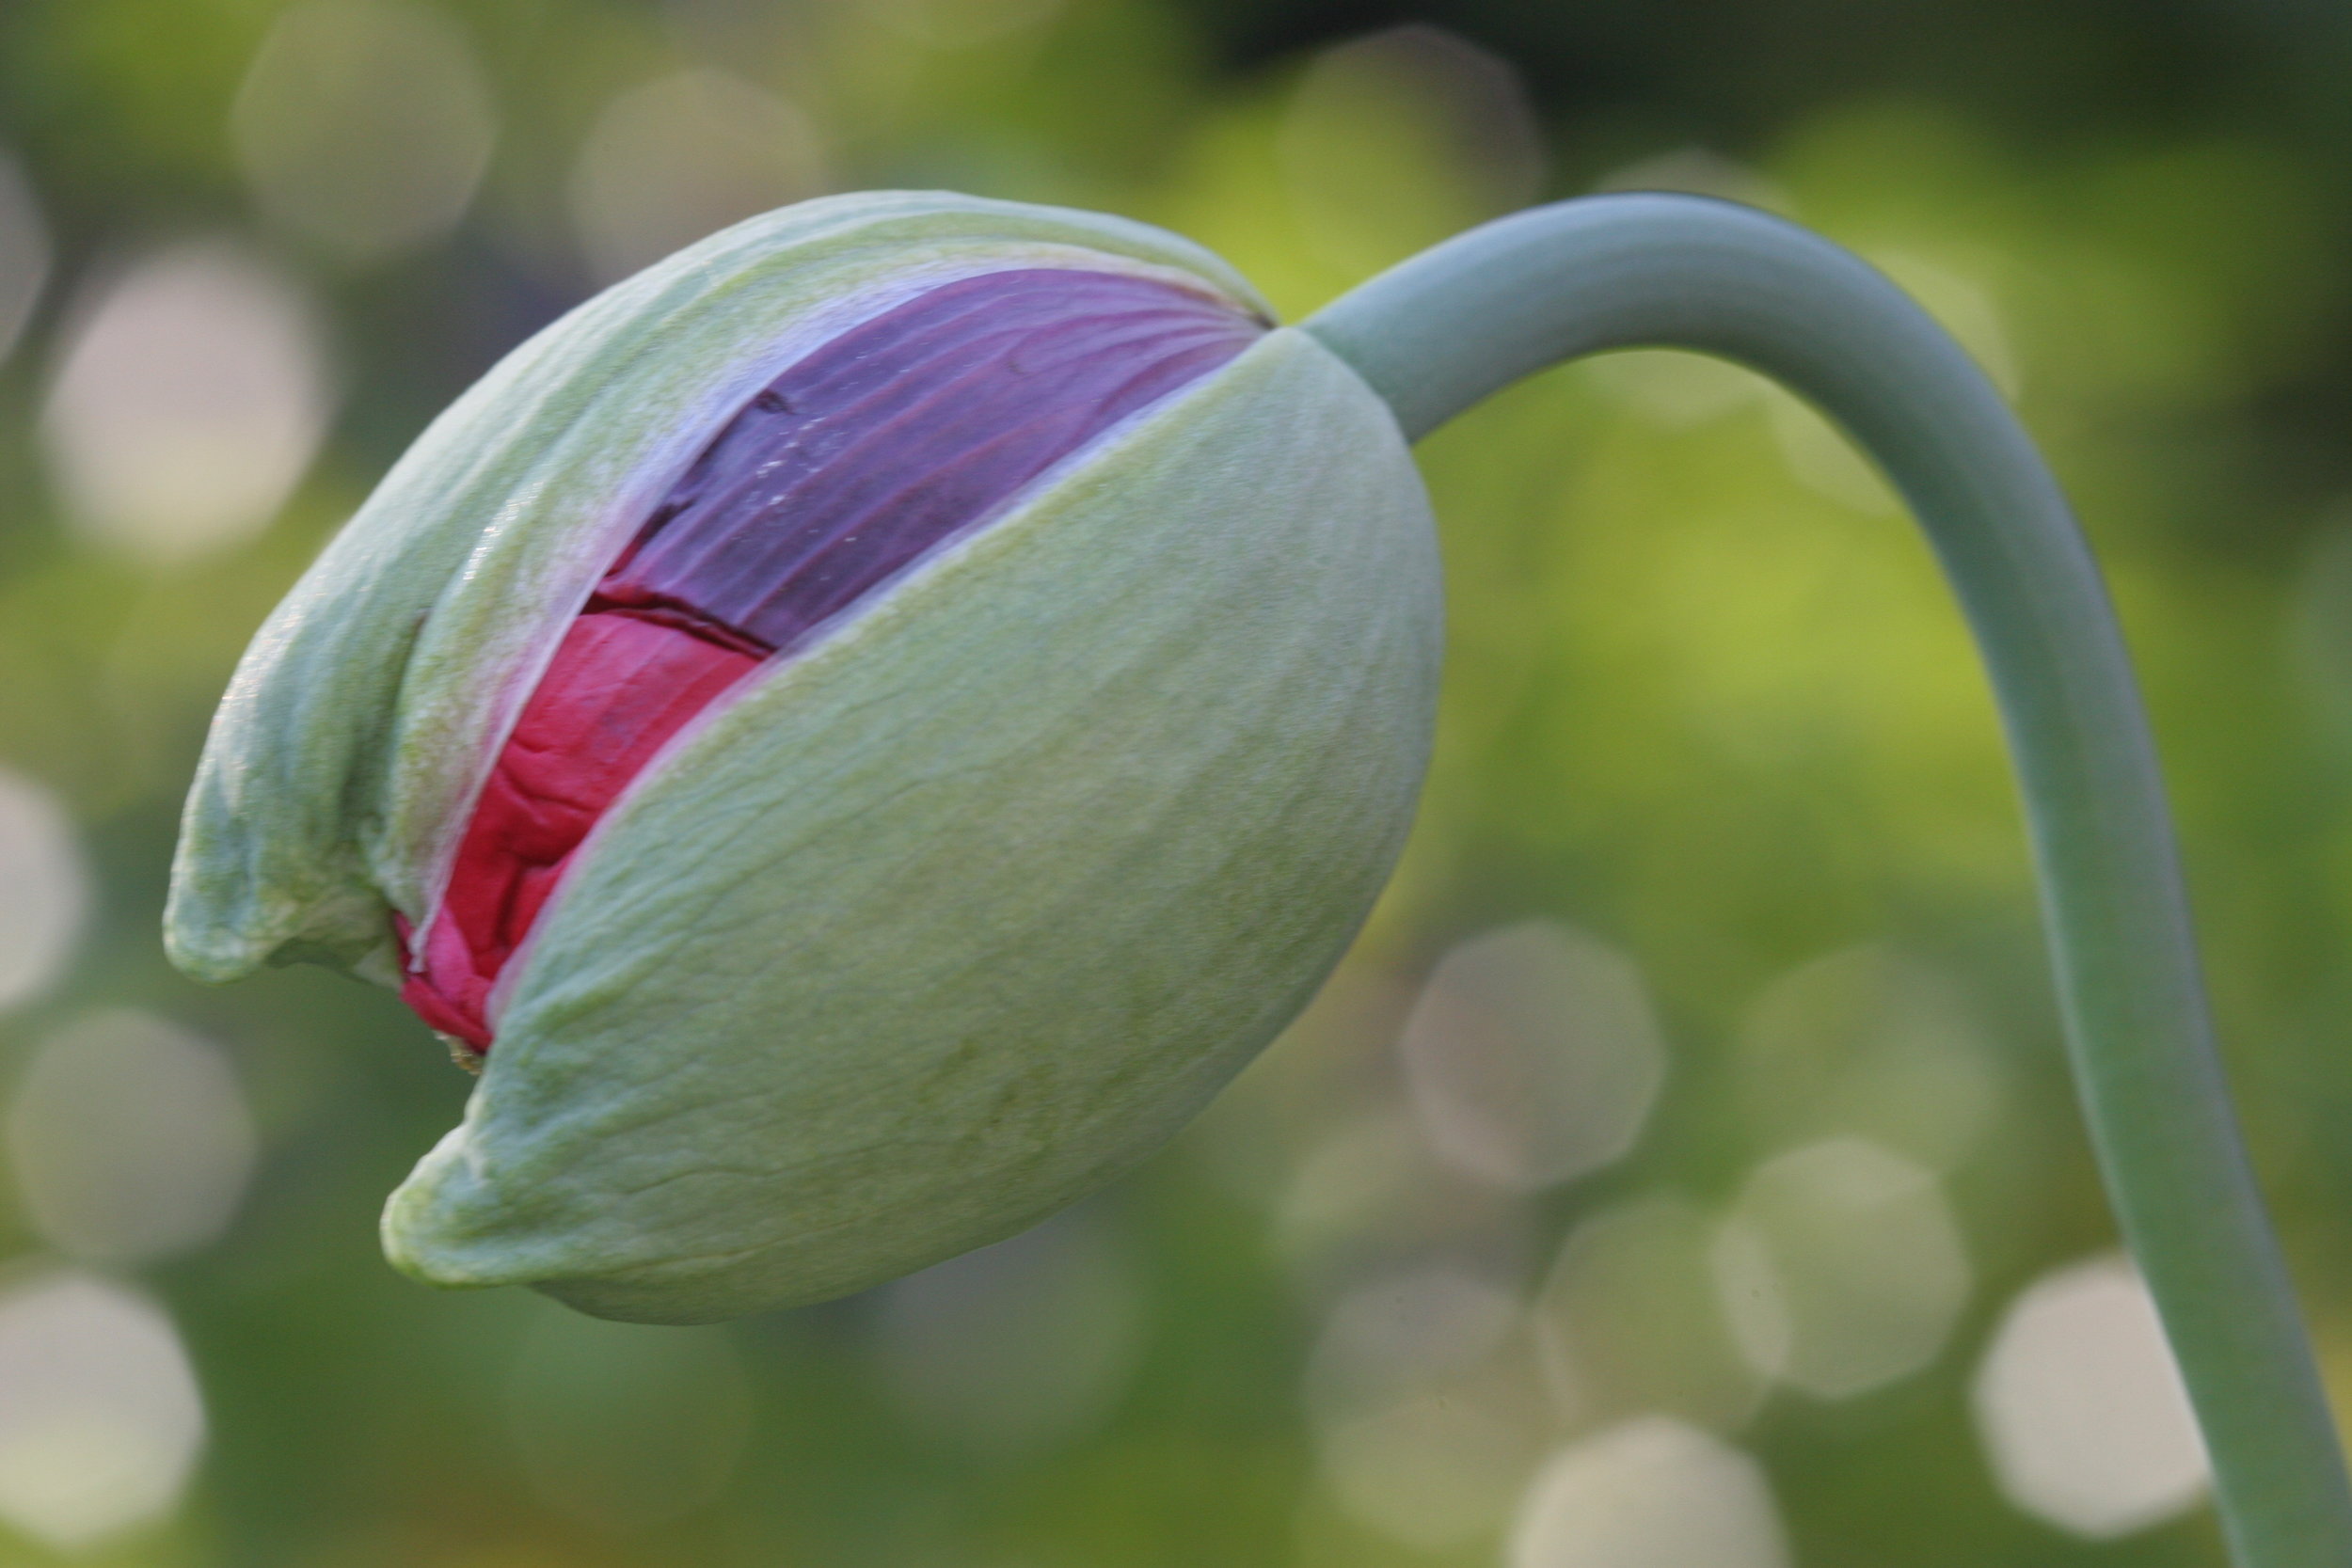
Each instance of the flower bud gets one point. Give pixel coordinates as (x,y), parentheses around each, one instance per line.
(858,731)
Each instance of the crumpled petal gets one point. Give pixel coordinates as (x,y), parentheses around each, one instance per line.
(962,915)
(932,924)
(340,761)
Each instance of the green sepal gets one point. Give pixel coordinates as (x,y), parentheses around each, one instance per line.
(960,915)
(363,718)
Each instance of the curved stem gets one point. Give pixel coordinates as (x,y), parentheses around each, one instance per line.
(1443,330)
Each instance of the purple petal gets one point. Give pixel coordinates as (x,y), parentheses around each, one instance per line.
(906,431)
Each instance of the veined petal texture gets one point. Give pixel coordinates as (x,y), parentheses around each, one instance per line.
(878,448)
(359,724)
(958,915)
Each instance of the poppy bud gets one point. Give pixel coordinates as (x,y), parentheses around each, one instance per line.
(858,731)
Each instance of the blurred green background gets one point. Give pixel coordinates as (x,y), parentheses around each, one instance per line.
(1681,1171)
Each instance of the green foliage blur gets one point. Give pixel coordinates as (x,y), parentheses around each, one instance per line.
(1718,818)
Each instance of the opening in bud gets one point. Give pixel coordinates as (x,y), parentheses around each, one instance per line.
(861,459)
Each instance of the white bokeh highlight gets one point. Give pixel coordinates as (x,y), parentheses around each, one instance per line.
(100,1419)
(1532,1056)
(129,1139)
(363,126)
(1017,1347)
(1653,1493)
(1397,1333)
(1425,1413)
(188,403)
(2081,1408)
(681,157)
(1841,1268)
(44,890)
(1631,1320)
(1433,1472)
(1867,1042)
(1369,1196)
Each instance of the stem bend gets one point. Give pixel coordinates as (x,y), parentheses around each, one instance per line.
(1441,331)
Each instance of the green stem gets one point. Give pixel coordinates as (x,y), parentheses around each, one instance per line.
(1443,330)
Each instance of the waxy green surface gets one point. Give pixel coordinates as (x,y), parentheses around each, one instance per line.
(353,737)
(935,928)
(960,915)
